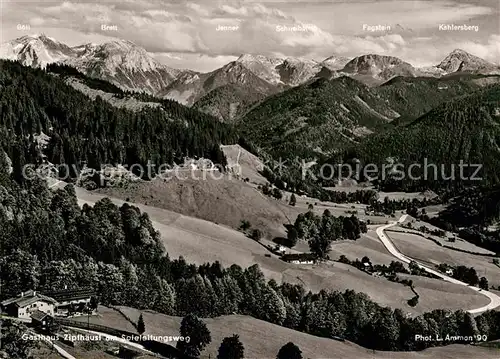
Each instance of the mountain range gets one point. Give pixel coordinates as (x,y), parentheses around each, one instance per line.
(327,115)
(132,68)
(283,106)
(120,62)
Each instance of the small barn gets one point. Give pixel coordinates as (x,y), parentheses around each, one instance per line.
(42,320)
(299,258)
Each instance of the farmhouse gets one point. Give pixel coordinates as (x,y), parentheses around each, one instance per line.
(42,320)
(71,300)
(198,164)
(300,258)
(367,266)
(28,302)
(280,249)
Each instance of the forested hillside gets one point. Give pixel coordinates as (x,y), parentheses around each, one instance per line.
(228,102)
(465,130)
(81,130)
(324,116)
(471,213)
(66,71)
(413,97)
(316,118)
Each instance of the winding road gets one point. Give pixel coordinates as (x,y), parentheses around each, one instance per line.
(494,299)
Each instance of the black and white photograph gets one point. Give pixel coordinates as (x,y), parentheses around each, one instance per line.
(242,179)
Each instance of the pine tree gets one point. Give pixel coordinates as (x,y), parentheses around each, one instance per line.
(469,326)
(292,319)
(19,164)
(4,166)
(270,306)
(212,301)
(94,303)
(165,300)
(141,327)
(130,280)
(385,331)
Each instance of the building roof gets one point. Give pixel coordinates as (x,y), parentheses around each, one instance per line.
(27,298)
(39,315)
(298,257)
(64,295)
(29,293)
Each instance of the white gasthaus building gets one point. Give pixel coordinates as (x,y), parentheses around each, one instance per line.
(27,303)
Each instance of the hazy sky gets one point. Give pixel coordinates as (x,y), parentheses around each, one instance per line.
(183,33)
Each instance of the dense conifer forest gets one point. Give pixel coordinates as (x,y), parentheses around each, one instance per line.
(81,130)
(463,130)
(322,117)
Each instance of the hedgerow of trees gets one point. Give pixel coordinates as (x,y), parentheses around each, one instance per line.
(321,231)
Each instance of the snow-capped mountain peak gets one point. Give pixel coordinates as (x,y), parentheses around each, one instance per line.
(119,61)
(35,50)
(249,59)
(117,55)
(460,52)
(262,66)
(374,69)
(41,37)
(85,48)
(295,71)
(461,61)
(335,63)
(278,70)
(125,64)
(131,67)
(372,63)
